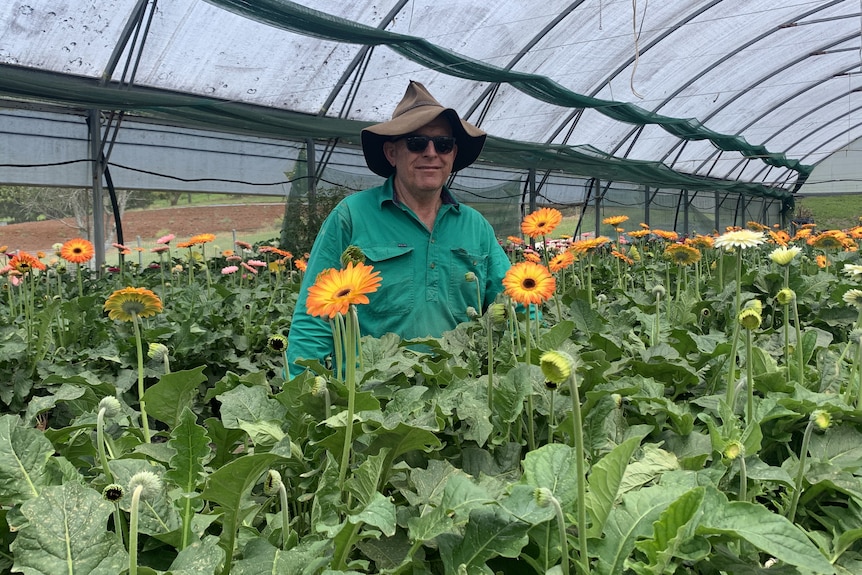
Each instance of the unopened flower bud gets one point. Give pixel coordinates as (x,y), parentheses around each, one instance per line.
(469,277)
(821,418)
(471,312)
(149,482)
(277,343)
(352,254)
(658,291)
(785,296)
(499,313)
(733,449)
(113,492)
(111,405)
(749,319)
(556,366)
(543,496)
(318,388)
(272,483)
(157,351)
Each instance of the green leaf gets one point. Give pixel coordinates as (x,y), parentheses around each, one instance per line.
(671,531)
(201,558)
(490,532)
(248,404)
(460,496)
(24,452)
(768,531)
(364,481)
(379,512)
(553,466)
(261,558)
(510,391)
(228,486)
(172,393)
(191,444)
(65,533)
(606,476)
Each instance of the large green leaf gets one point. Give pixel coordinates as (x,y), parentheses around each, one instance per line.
(460,497)
(261,558)
(174,392)
(490,532)
(191,445)
(228,487)
(553,466)
(201,558)
(24,453)
(768,531)
(671,534)
(65,533)
(606,476)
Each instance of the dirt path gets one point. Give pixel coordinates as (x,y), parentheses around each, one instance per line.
(183,221)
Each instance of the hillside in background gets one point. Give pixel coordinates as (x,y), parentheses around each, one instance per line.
(832,212)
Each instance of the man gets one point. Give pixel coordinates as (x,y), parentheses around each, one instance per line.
(410,229)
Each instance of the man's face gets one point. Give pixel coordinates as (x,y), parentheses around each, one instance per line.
(421,172)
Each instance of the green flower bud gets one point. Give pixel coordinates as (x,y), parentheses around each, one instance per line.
(277,343)
(471,312)
(749,319)
(499,313)
(157,351)
(754,304)
(111,405)
(542,496)
(785,296)
(352,254)
(318,388)
(658,291)
(733,449)
(149,482)
(272,483)
(469,277)
(821,418)
(557,366)
(113,492)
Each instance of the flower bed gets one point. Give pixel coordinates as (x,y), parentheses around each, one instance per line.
(673,405)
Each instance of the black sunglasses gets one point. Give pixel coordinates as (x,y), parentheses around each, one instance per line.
(416,144)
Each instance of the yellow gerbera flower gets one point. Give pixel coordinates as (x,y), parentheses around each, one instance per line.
(527,283)
(784,255)
(701,242)
(128,303)
(682,254)
(334,291)
(77,251)
(541,222)
(561,261)
(615,220)
(638,234)
(201,239)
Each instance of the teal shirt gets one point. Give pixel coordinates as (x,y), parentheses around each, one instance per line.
(423,290)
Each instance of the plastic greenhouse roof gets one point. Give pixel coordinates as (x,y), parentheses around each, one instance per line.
(740,95)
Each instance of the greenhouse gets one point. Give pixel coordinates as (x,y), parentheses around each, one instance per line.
(619,346)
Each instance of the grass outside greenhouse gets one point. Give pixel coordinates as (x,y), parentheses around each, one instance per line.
(678,407)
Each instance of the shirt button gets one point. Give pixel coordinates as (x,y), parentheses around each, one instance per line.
(433,265)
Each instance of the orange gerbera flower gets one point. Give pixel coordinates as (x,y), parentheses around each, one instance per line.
(515,240)
(701,242)
(532,256)
(541,222)
(528,283)
(638,234)
(201,239)
(621,256)
(301,265)
(666,235)
(822,261)
(585,246)
(77,251)
(128,303)
(561,261)
(334,291)
(831,240)
(615,220)
(24,263)
(780,237)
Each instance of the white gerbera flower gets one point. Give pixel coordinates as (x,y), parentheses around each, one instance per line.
(741,239)
(853,270)
(784,255)
(853,297)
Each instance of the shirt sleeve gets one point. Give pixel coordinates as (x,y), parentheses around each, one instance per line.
(311,337)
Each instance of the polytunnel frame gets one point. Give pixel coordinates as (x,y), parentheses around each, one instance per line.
(135,29)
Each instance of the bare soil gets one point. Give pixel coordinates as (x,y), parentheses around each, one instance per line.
(182,221)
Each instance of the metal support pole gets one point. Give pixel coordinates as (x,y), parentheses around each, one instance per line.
(98,169)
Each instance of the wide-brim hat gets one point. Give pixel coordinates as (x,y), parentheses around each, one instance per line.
(417,108)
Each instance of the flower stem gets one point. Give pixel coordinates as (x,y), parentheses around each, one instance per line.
(578,435)
(531,427)
(800,472)
(749,378)
(285,515)
(350,383)
(133,530)
(143,406)
(800,358)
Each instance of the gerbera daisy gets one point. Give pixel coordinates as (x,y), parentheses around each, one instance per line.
(701,242)
(803,234)
(670,236)
(585,246)
(243,245)
(128,303)
(166,239)
(277,343)
(160,249)
(541,222)
(25,263)
(822,261)
(201,239)
(830,240)
(615,220)
(756,226)
(853,297)
(532,256)
(527,283)
(248,267)
(784,255)
(515,240)
(780,237)
(561,261)
(741,239)
(682,254)
(301,265)
(621,256)
(229,270)
(853,270)
(334,291)
(638,234)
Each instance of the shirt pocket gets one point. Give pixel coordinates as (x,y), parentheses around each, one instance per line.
(464,294)
(397,292)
